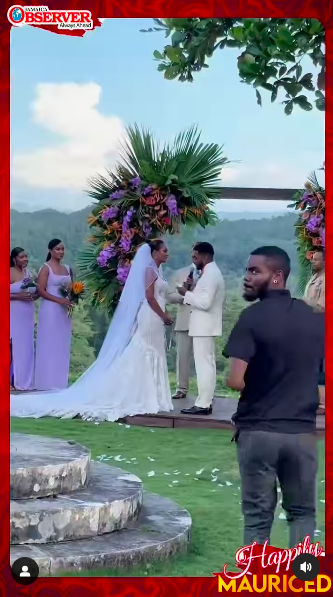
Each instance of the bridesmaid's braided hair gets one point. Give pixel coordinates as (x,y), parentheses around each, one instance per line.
(52,244)
(15,252)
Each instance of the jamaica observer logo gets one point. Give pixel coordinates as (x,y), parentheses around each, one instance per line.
(41,15)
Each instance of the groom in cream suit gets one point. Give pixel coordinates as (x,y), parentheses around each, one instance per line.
(206,301)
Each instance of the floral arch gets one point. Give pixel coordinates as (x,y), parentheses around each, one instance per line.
(151,193)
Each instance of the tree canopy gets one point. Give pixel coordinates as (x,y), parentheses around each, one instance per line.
(272,51)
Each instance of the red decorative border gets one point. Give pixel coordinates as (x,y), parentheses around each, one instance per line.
(82,587)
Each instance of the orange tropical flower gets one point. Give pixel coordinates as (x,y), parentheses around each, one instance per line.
(77,288)
(92,220)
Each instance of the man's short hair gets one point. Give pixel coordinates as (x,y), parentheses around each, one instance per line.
(320,250)
(204,249)
(278,258)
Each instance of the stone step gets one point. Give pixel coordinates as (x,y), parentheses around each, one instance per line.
(162,530)
(108,503)
(41,466)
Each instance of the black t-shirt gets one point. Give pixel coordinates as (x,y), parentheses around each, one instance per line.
(283,340)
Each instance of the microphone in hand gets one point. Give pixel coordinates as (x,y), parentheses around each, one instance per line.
(189,281)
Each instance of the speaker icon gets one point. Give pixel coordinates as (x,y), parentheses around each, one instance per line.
(306,567)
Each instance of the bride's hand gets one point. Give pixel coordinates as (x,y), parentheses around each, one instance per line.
(167,319)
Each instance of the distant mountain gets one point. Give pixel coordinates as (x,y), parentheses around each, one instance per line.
(233,239)
(226,215)
(249,215)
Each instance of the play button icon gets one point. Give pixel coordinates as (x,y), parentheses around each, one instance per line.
(306,567)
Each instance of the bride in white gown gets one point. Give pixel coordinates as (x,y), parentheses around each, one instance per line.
(129,376)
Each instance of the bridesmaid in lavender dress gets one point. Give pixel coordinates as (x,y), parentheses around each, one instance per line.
(22,323)
(54,331)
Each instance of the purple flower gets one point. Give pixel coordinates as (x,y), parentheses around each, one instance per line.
(105,255)
(313,202)
(172,205)
(118,194)
(110,213)
(125,243)
(306,196)
(135,181)
(322,234)
(146,229)
(149,189)
(122,272)
(127,218)
(314,223)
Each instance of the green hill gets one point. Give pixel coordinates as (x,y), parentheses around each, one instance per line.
(233,240)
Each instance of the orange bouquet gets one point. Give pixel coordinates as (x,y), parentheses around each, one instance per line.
(72,292)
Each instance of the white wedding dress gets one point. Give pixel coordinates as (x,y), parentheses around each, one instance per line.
(132,381)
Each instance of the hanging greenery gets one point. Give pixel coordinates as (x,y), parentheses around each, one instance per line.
(310,225)
(153,192)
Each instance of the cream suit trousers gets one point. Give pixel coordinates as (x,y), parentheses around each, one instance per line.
(184,352)
(205,367)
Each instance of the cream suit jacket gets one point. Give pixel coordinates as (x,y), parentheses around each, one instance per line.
(174,298)
(206,303)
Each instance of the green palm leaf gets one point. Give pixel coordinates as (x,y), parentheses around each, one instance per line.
(188,169)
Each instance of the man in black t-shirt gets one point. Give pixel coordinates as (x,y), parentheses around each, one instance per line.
(275,350)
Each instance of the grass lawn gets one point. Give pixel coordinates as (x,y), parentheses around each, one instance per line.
(214,505)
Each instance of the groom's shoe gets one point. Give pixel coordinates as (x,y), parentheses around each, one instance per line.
(197,410)
(179,395)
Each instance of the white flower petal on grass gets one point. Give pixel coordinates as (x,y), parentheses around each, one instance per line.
(220,485)
(96,423)
(200,471)
(121,424)
(127,426)
(152,430)
(214,479)
(282,516)
(167,474)
(215,470)
(176,473)
(151,474)
(187,474)
(170,485)
(322,501)
(133,458)
(228,483)
(118,458)
(120,445)
(317,532)
(195,479)
(323,481)
(151,459)
(175,482)
(128,462)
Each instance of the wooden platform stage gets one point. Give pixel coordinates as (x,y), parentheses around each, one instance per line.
(223,409)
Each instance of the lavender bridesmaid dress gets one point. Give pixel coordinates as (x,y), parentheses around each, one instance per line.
(54,334)
(22,323)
